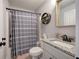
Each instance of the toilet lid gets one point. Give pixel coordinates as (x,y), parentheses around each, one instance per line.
(35,51)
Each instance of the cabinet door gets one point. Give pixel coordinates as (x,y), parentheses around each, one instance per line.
(56,53)
(46,55)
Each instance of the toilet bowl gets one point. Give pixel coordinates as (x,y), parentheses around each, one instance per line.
(35,52)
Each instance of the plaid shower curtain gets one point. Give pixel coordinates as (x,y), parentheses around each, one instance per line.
(23,32)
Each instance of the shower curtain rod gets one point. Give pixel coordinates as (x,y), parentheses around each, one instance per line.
(22,11)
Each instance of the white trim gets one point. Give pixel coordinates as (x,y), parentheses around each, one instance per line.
(8,49)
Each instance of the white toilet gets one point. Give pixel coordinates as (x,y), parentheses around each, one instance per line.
(35,52)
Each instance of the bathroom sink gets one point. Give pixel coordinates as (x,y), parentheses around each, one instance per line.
(52,39)
(63,44)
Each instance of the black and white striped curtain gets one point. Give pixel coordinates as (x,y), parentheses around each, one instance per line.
(23,31)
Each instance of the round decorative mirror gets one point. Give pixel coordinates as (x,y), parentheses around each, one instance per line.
(45,18)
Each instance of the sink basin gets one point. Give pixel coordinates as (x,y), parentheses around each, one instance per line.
(52,39)
(63,44)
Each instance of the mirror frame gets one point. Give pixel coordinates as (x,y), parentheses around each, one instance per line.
(58,3)
(57,14)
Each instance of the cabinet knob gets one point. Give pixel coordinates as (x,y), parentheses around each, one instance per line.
(77,57)
(2,44)
(3,39)
(50,58)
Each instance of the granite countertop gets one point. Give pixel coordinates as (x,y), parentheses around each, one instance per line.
(69,51)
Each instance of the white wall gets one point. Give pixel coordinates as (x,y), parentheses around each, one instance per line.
(77,28)
(8,49)
(3,5)
(51,29)
(6,29)
(70,31)
(19,8)
(3,29)
(1,20)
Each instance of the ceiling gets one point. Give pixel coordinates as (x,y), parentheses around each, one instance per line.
(27,4)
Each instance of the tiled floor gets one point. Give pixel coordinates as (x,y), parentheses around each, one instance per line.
(24,56)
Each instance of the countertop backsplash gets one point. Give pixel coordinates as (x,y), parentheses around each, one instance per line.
(58,35)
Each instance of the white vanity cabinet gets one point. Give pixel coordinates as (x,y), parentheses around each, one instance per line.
(47,55)
(51,52)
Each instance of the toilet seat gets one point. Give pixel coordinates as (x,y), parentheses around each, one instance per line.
(36,51)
